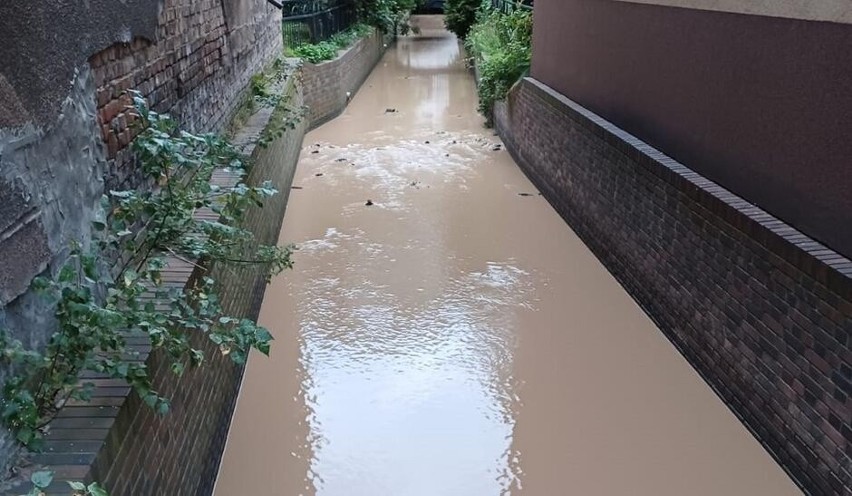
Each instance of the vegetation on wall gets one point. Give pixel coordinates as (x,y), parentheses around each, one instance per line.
(327,50)
(460,15)
(264,91)
(42,479)
(501,47)
(99,306)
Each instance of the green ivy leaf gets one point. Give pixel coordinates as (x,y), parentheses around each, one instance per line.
(42,478)
(96,490)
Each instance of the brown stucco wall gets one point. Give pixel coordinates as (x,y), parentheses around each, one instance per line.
(823,10)
(761,105)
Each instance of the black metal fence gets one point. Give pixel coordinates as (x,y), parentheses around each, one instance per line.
(507,6)
(313,21)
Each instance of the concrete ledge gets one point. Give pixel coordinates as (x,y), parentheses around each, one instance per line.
(761,311)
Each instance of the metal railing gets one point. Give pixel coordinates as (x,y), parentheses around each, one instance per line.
(313,21)
(507,6)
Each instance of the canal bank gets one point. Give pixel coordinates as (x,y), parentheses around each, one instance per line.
(444,332)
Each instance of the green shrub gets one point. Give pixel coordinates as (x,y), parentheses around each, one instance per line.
(316,53)
(327,50)
(460,15)
(386,15)
(501,46)
(351,35)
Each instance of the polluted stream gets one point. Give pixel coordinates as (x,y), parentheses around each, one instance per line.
(444,332)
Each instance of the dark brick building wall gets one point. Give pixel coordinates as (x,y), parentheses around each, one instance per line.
(327,83)
(757,103)
(762,311)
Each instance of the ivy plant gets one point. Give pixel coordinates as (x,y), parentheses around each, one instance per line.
(42,479)
(99,305)
(501,47)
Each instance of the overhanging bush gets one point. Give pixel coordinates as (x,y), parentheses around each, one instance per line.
(386,15)
(501,46)
(460,15)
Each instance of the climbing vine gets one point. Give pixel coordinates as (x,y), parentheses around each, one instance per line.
(99,306)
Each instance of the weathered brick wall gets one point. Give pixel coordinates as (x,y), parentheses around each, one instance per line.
(196,69)
(143,453)
(760,310)
(327,83)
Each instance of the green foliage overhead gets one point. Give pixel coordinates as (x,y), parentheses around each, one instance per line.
(387,15)
(501,47)
(460,15)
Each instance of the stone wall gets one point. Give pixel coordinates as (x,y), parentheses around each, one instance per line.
(123,444)
(763,312)
(196,69)
(63,130)
(327,83)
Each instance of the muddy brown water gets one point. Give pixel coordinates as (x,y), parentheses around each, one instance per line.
(456,337)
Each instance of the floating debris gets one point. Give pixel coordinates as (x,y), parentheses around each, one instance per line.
(318,174)
(296,187)
(390,111)
(525,194)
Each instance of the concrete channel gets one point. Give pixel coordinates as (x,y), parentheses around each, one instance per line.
(444,332)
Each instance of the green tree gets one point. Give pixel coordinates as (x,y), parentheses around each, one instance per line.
(460,15)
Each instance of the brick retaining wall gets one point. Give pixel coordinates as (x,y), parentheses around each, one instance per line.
(763,312)
(117,440)
(327,83)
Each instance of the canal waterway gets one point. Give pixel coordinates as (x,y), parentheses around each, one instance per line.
(445,333)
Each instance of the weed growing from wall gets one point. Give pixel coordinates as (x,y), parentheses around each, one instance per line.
(99,306)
